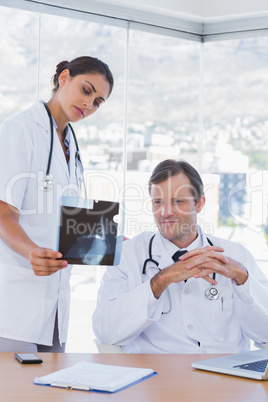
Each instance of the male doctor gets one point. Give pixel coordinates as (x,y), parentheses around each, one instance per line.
(209,301)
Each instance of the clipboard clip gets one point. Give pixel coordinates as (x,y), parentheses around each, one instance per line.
(70,387)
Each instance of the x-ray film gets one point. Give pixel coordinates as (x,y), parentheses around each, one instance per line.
(88,232)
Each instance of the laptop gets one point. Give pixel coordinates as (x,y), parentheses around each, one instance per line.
(253,364)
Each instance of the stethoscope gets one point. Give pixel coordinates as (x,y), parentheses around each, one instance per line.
(211,293)
(47,185)
(150,259)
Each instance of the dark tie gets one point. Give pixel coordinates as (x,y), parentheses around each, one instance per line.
(177,255)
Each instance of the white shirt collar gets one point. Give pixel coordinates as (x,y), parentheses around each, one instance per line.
(172,248)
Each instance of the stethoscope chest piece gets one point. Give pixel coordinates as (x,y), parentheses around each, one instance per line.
(212,293)
(47,184)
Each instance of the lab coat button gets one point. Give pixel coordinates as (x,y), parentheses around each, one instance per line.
(190,327)
(187,291)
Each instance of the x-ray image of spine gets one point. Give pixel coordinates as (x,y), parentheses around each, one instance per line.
(97,246)
(92,247)
(89,235)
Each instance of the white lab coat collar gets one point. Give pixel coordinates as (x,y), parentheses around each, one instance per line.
(40,116)
(159,252)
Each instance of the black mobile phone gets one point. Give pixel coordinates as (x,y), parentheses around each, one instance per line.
(28,358)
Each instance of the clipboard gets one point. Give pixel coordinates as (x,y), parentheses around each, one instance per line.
(88,231)
(95,377)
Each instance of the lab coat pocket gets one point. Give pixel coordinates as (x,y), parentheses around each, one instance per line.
(221,315)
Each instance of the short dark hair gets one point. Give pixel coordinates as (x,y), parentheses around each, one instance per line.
(83,65)
(171,167)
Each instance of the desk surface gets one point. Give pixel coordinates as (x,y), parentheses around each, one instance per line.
(176,380)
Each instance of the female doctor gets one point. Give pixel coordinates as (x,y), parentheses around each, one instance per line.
(39,163)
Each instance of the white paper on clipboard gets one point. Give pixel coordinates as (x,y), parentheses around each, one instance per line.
(89,231)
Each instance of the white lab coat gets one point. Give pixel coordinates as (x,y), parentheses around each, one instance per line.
(127,313)
(28,303)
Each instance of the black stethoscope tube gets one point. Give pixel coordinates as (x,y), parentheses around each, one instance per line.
(47,183)
(51,140)
(150,259)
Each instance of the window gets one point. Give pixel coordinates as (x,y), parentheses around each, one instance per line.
(163,115)
(19,58)
(235,140)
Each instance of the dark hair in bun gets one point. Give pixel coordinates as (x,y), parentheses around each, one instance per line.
(83,65)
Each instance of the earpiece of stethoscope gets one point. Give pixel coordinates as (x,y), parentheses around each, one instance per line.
(212,293)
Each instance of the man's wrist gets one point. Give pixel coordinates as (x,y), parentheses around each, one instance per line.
(159,283)
(241,278)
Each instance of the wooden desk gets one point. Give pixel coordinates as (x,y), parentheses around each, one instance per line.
(176,380)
